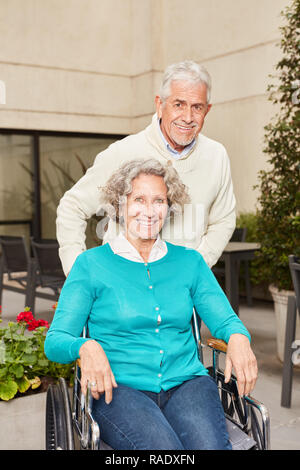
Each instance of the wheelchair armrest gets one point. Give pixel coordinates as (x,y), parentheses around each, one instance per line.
(217,344)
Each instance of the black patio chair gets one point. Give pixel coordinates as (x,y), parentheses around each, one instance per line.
(290,333)
(15,263)
(239,235)
(22,268)
(47,270)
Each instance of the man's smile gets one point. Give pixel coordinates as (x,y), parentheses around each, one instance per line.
(185,128)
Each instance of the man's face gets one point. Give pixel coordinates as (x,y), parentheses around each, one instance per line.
(182,113)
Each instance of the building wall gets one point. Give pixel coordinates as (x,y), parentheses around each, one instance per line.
(66,64)
(95,66)
(237,42)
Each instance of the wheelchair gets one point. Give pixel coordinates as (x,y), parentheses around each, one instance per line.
(71,426)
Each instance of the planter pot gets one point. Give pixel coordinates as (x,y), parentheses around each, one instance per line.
(22,423)
(280,298)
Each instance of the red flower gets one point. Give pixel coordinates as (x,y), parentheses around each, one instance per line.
(25,316)
(36,324)
(32,323)
(43,323)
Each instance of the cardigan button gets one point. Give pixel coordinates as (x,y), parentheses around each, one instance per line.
(150,287)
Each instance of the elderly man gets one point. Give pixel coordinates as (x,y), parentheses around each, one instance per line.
(174,136)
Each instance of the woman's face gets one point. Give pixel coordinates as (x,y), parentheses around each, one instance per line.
(146,207)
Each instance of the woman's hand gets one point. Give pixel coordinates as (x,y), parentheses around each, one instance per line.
(96,370)
(240,357)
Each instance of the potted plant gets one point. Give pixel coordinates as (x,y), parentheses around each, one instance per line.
(25,373)
(278,219)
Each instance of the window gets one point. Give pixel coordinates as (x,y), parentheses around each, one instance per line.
(16,184)
(36,168)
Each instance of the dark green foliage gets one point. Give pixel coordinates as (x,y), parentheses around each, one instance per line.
(278,218)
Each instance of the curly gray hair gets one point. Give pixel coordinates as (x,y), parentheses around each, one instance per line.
(119,185)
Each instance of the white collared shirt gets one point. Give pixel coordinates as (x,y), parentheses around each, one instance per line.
(122,247)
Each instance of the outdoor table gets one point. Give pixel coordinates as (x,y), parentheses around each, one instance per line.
(232,255)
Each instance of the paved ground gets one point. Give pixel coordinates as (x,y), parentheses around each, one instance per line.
(260,320)
(285,423)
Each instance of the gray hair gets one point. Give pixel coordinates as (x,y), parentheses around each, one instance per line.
(186,70)
(119,185)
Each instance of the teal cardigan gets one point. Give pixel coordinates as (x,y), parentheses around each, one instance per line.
(141,314)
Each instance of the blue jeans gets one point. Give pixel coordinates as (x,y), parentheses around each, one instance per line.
(189,416)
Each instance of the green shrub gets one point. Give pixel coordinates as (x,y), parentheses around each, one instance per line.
(248,220)
(278,217)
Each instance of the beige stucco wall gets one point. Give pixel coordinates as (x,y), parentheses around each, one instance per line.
(237,41)
(66,64)
(95,66)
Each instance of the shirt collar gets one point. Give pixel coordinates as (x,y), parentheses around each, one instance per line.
(122,247)
(177,155)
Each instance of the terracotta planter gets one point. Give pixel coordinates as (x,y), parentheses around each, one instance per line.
(22,423)
(280,298)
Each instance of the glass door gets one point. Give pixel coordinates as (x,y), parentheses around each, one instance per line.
(16,184)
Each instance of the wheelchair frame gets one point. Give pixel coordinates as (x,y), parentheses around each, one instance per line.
(69,427)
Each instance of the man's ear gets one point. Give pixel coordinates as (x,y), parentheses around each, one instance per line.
(208,108)
(158,105)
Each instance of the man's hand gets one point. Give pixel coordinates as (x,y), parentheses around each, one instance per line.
(240,357)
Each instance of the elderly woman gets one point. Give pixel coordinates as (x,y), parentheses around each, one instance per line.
(136,294)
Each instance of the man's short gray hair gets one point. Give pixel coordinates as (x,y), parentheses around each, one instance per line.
(186,70)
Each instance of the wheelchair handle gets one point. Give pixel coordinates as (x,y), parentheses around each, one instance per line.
(217,344)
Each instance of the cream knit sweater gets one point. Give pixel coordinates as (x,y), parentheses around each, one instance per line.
(207,224)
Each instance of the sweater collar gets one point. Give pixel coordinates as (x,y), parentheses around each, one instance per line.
(153,134)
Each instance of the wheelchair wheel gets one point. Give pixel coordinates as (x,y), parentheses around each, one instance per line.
(256,430)
(59,428)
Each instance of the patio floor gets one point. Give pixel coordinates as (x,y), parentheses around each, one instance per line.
(260,320)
